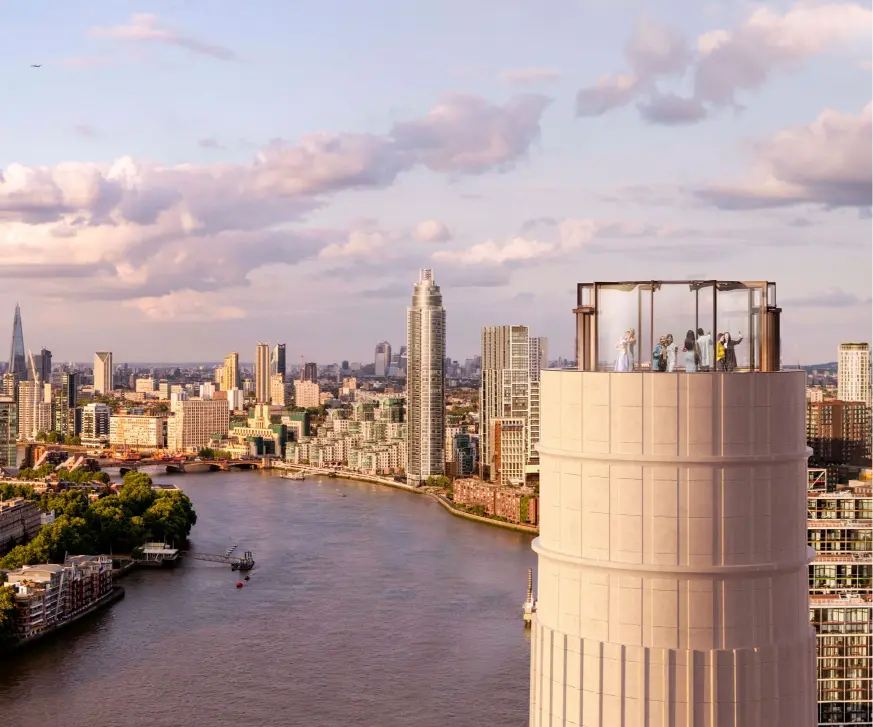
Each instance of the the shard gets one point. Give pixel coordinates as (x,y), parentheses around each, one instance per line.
(17,355)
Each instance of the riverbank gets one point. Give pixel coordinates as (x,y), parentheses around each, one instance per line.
(116,593)
(441,499)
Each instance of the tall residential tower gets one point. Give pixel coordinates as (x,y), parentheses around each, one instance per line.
(425,381)
(509,396)
(853,373)
(673,557)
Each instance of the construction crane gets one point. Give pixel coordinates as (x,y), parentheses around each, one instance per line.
(36,376)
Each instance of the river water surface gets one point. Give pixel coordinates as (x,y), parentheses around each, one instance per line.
(378,608)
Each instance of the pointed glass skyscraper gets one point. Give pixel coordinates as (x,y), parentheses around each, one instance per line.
(17,356)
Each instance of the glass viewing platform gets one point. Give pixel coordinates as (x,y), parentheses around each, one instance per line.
(670,326)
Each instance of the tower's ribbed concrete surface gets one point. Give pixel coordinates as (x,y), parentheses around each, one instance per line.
(672,580)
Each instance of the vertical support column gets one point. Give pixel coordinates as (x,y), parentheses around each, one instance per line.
(770,343)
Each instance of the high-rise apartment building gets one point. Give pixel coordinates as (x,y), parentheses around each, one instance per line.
(425,381)
(277,361)
(853,373)
(230,378)
(17,356)
(8,431)
(103,372)
(95,423)
(34,413)
(65,403)
(841,600)
(262,373)
(672,555)
(838,432)
(45,373)
(310,372)
(511,364)
(383,358)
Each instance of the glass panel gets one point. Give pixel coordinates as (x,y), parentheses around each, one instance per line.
(733,327)
(617,317)
(644,344)
(705,326)
(675,308)
(755,328)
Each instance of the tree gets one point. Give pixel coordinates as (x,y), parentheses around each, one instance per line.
(8,617)
(52,437)
(75,441)
(136,494)
(40,435)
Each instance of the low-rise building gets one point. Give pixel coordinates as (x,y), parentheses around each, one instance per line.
(306,394)
(47,595)
(128,430)
(20,521)
(516,504)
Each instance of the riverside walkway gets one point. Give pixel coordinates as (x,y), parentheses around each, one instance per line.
(433,493)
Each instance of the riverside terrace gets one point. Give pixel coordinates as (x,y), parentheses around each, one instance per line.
(720,325)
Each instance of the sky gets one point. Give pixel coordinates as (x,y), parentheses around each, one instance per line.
(176,184)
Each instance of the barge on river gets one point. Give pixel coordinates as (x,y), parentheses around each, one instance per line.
(158,555)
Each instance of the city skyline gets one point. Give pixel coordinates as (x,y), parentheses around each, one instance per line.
(505,172)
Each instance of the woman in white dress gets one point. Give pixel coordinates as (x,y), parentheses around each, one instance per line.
(672,353)
(623,356)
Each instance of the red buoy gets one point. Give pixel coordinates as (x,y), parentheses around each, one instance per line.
(240,584)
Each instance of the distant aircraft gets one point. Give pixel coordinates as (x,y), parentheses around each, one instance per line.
(36,65)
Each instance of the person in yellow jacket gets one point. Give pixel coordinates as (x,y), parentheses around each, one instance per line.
(720,353)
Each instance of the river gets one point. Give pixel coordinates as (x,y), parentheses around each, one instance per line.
(374,609)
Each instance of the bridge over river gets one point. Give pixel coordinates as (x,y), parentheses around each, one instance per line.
(189,466)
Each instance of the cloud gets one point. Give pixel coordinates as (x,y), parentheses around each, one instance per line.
(596,236)
(826,162)
(832,298)
(84,131)
(209,144)
(610,92)
(723,62)
(528,76)
(432,231)
(672,110)
(466,134)
(359,242)
(186,306)
(155,229)
(145,27)
(492,253)
(389,290)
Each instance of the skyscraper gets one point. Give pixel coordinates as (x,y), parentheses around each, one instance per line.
(103,372)
(672,556)
(17,356)
(262,373)
(45,374)
(383,358)
(310,372)
(853,373)
(277,361)
(230,372)
(8,431)
(509,391)
(65,403)
(425,381)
